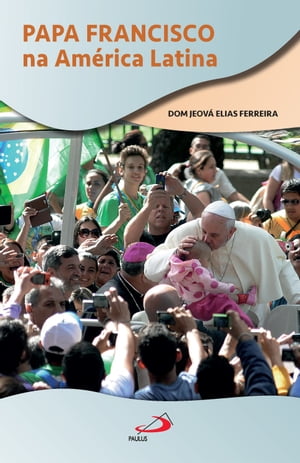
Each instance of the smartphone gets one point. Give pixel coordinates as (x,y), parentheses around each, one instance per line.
(220,320)
(5,215)
(287,355)
(160,180)
(165,317)
(100,300)
(112,339)
(42,278)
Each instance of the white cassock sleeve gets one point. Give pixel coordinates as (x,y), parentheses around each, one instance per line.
(157,263)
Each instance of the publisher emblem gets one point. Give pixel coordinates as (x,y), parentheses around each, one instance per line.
(160,423)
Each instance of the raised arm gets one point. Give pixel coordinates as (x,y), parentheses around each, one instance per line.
(138,223)
(192,202)
(23,234)
(124,214)
(258,375)
(186,324)
(125,346)
(270,193)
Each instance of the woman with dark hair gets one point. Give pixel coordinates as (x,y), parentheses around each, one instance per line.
(108,265)
(86,228)
(88,237)
(96,184)
(88,268)
(11,258)
(203,169)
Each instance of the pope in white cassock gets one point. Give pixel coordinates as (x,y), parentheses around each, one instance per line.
(242,254)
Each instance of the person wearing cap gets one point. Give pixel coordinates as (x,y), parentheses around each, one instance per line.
(156,219)
(58,334)
(83,367)
(130,280)
(241,254)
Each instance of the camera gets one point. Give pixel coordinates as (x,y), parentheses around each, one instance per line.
(55,238)
(88,309)
(287,355)
(220,320)
(165,317)
(42,278)
(296,337)
(160,180)
(100,300)
(256,332)
(263,214)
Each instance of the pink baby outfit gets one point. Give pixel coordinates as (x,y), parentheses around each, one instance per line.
(203,294)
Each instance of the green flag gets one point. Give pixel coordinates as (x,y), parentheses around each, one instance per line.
(24,164)
(5,195)
(59,162)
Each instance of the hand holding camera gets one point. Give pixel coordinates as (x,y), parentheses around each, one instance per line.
(236,327)
(106,340)
(178,319)
(292,354)
(25,278)
(118,308)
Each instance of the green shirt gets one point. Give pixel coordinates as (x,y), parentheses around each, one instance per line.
(109,210)
(32,376)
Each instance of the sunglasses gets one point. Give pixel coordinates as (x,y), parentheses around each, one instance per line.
(85,232)
(294,202)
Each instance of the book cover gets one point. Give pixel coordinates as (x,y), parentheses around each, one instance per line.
(219,67)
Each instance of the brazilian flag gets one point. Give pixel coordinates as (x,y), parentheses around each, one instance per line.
(30,167)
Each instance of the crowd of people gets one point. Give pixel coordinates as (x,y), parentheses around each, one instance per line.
(166,289)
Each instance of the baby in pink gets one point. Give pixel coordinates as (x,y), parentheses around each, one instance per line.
(203,294)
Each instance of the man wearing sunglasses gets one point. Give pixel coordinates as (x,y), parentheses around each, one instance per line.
(285,224)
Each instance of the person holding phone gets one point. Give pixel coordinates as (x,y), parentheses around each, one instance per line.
(215,374)
(158,352)
(29,234)
(156,220)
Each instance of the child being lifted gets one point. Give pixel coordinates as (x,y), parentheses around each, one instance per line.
(203,294)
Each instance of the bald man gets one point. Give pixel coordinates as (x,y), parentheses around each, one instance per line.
(241,254)
(160,297)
